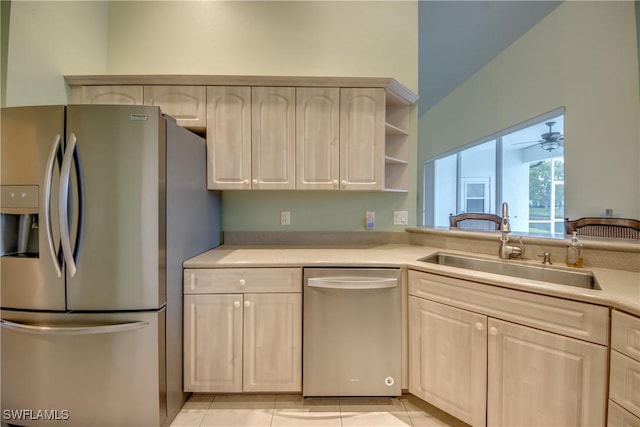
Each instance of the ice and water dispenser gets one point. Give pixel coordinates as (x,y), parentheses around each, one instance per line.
(19,221)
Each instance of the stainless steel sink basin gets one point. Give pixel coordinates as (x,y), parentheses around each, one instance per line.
(542,273)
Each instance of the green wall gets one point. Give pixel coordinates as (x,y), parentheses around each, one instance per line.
(48,40)
(5,18)
(308,38)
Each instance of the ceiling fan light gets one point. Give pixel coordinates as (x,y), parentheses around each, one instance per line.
(549,145)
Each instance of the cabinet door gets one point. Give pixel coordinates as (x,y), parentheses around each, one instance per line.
(213,343)
(186,104)
(273,138)
(448,359)
(317,138)
(272,342)
(624,382)
(625,334)
(362,129)
(619,417)
(120,95)
(537,378)
(228,138)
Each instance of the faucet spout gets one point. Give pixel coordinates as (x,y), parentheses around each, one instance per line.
(506,250)
(504,226)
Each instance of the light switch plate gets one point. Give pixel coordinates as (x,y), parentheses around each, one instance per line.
(370,220)
(285,218)
(400,218)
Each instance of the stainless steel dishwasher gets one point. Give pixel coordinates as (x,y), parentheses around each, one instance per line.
(352,332)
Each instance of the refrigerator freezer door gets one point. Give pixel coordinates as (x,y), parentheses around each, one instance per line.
(117,205)
(31,146)
(83,369)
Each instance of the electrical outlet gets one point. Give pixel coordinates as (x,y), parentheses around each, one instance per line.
(400,218)
(285,218)
(370,220)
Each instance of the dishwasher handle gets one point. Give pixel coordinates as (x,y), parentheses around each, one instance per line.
(347,282)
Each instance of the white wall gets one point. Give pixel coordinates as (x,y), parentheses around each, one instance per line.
(48,40)
(583,56)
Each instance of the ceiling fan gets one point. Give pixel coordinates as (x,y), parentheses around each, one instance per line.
(549,140)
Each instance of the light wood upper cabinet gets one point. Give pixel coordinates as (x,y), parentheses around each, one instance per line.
(317,138)
(448,359)
(107,94)
(273,138)
(187,104)
(536,378)
(228,137)
(362,134)
(280,132)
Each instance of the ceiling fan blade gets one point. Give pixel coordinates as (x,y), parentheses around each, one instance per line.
(527,142)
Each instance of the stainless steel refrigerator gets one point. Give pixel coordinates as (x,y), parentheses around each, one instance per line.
(100,205)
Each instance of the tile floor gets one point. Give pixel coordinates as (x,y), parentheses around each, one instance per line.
(292,410)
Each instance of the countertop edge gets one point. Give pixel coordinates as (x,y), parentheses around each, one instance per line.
(406,256)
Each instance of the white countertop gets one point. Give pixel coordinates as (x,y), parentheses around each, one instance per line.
(620,289)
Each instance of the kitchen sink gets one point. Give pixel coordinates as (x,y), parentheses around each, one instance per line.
(582,279)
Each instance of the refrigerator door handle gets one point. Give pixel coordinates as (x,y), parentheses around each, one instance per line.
(55,149)
(65,176)
(72,330)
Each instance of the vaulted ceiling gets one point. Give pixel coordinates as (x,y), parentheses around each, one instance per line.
(457,38)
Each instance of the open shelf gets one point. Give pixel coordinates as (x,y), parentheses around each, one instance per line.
(397,122)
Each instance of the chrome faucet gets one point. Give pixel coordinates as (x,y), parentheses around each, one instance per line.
(506,250)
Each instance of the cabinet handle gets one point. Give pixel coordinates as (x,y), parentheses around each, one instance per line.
(236,304)
(344,182)
(254,182)
(242,282)
(479,326)
(245,182)
(335,182)
(247,303)
(493,330)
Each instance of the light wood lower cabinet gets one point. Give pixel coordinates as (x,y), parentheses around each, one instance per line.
(213,343)
(243,342)
(448,359)
(624,374)
(491,372)
(272,343)
(619,417)
(537,378)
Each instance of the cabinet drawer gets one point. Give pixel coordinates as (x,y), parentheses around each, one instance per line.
(242,280)
(624,382)
(584,321)
(625,334)
(618,417)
